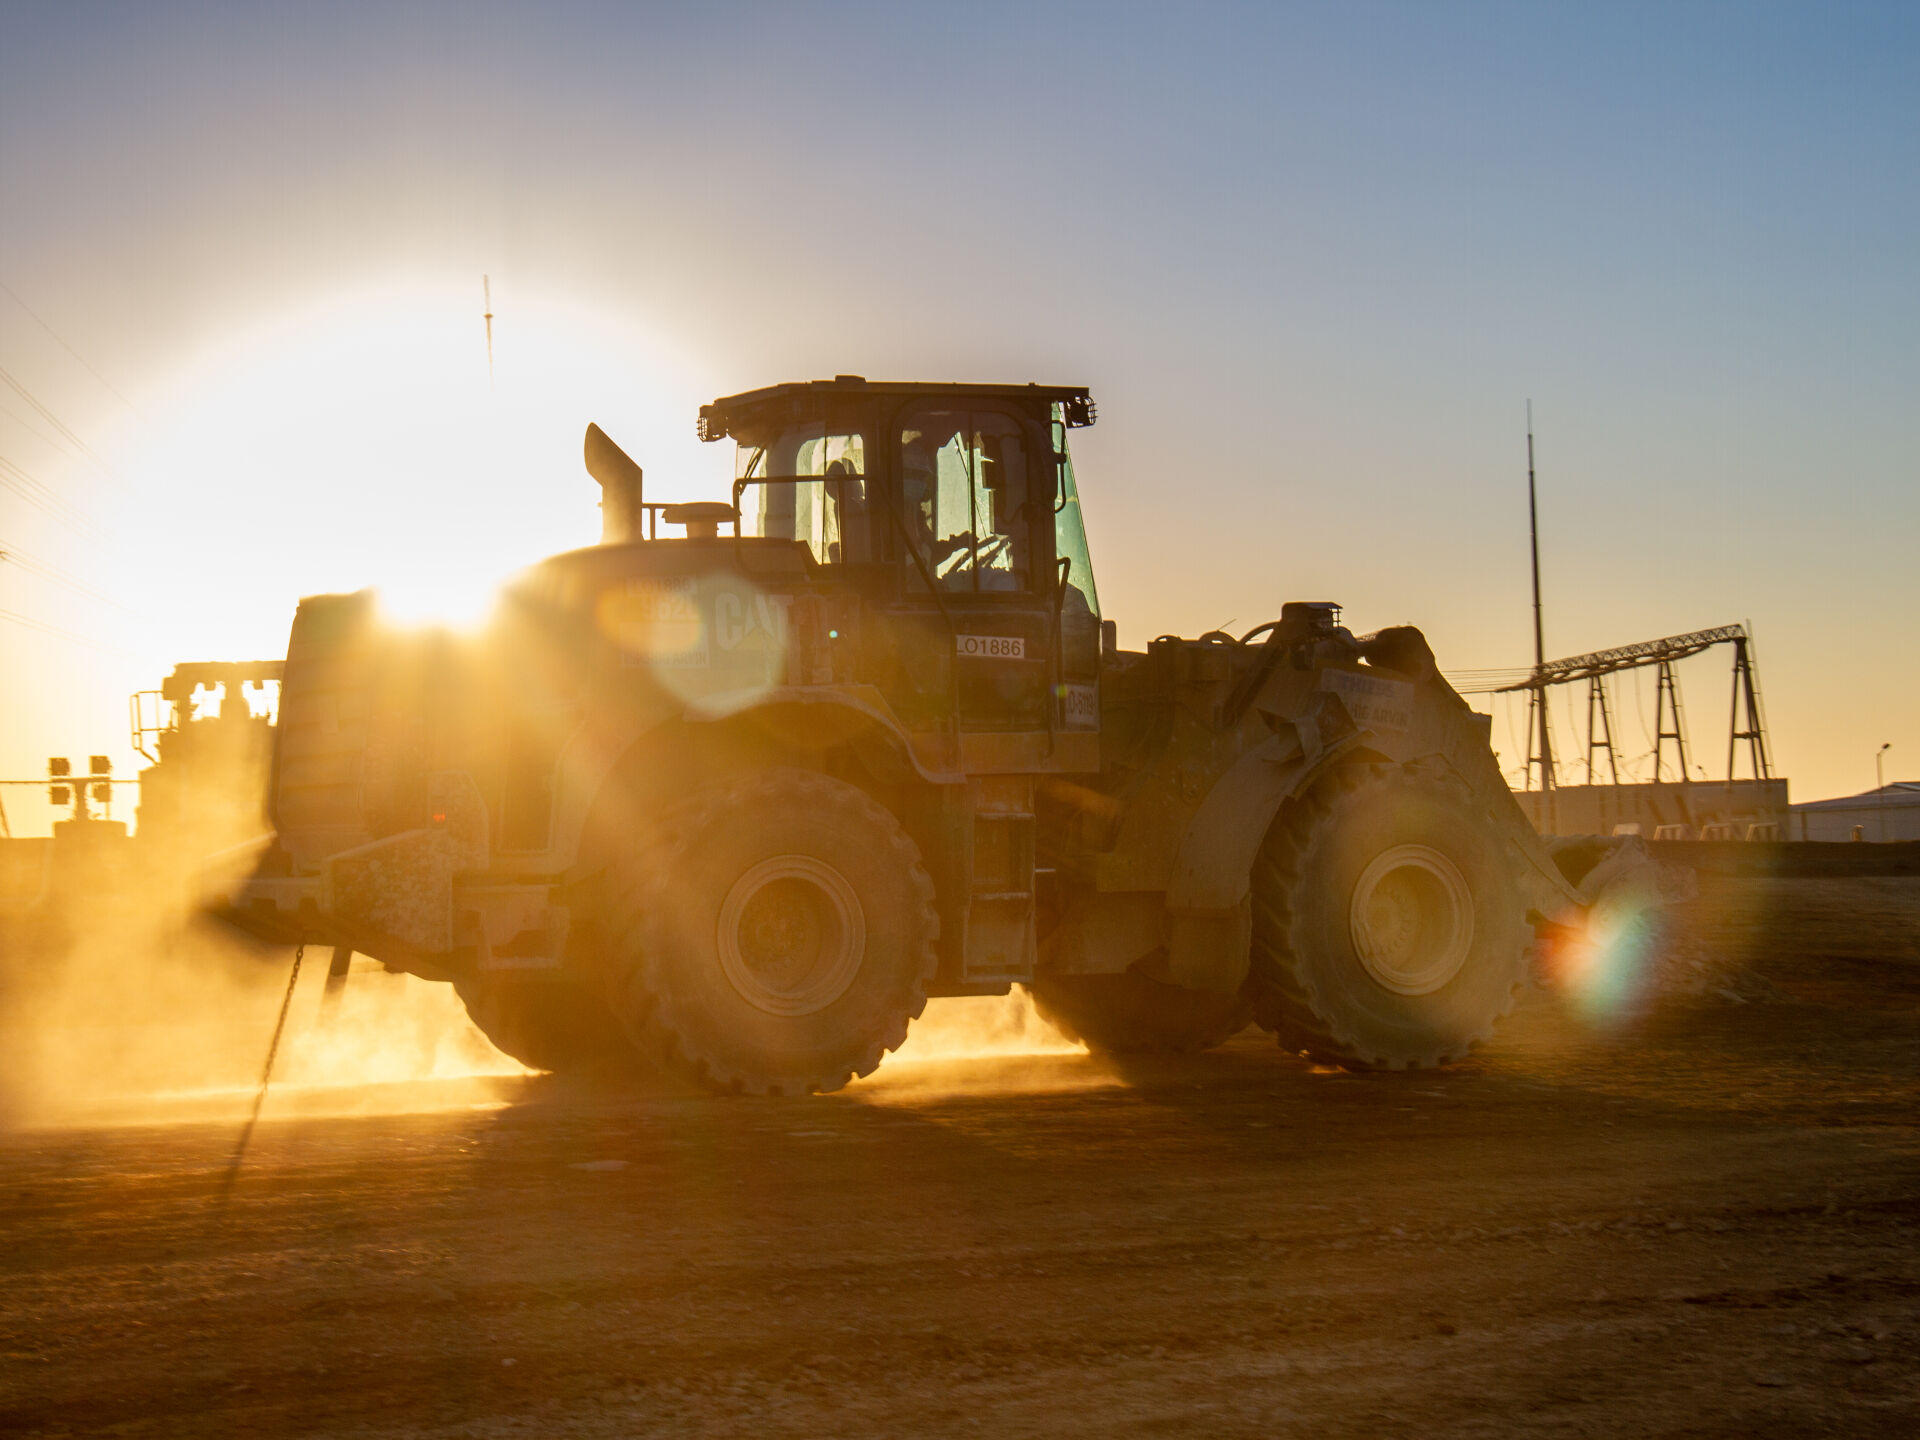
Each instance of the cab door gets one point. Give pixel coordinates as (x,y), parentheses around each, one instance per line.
(976,503)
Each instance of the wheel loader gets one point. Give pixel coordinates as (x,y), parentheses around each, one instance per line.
(743,785)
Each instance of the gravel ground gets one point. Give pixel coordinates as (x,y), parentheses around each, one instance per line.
(1679,1205)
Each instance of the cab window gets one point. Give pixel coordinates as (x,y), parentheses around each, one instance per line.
(808,483)
(965,483)
(1070,529)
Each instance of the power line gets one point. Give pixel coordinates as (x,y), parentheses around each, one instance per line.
(32,624)
(33,429)
(69,349)
(12,554)
(29,487)
(51,418)
(1486,682)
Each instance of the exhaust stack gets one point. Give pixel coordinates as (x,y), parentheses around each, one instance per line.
(621,488)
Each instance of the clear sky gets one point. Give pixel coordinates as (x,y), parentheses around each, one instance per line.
(1311,259)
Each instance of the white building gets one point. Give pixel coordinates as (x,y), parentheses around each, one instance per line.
(1890,813)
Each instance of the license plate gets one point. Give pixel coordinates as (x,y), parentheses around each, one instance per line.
(990,647)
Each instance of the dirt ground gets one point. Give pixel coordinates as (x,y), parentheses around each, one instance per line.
(1690,1213)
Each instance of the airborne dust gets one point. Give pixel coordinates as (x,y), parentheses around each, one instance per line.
(163,1018)
(133,1009)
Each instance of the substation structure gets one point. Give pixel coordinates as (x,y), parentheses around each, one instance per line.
(1682,807)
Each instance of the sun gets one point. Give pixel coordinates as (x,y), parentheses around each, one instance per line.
(360,440)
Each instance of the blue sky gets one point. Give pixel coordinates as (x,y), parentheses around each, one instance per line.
(1312,259)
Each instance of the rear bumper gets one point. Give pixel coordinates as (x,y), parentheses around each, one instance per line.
(397,900)
(391,898)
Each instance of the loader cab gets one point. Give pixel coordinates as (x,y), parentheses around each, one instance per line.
(951,513)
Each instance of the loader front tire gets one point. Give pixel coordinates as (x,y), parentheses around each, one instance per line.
(1389,929)
(776,935)
(1134,1014)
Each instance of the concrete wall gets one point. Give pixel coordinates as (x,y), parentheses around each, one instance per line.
(1601,809)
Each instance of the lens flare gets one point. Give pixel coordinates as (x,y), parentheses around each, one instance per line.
(702,636)
(1605,966)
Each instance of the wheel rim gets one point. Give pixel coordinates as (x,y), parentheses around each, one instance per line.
(1412,919)
(791,935)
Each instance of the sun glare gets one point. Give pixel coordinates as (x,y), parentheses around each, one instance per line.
(363,442)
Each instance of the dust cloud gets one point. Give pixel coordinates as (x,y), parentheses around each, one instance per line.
(977,1026)
(155,1017)
(119,1001)
(981,1045)
(144,1013)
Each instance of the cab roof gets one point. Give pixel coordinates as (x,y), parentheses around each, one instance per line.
(801,396)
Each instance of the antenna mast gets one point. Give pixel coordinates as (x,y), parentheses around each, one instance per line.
(1540,737)
(486,291)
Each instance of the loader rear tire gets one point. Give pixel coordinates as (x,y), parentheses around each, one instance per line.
(775,936)
(547,1024)
(1134,1014)
(1389,928)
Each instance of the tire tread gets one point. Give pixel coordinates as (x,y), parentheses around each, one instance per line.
(1285,998)
(646,1005)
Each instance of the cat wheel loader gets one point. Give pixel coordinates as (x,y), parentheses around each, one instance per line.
(743,785)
